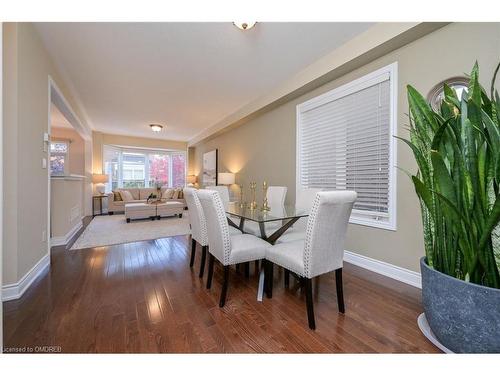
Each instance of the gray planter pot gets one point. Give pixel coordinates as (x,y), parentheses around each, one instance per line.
(465,317)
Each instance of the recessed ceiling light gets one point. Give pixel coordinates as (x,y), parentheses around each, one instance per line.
(156,127)
(244,25)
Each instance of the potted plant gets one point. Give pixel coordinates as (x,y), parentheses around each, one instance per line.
(457,150)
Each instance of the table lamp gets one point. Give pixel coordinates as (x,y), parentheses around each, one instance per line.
(226,178)
(191,180)
(99,180)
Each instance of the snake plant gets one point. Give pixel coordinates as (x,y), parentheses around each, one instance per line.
(457,150)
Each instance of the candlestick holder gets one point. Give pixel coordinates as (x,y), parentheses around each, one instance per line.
(253,204)
(265,204)
(242,203)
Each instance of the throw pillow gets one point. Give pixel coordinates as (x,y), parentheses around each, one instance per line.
(167,194)
(117,196)
(126,195)
(181,194)
(176,194)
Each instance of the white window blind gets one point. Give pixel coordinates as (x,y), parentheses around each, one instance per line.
(345,142)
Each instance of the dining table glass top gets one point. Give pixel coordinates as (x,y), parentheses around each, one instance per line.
(260,216)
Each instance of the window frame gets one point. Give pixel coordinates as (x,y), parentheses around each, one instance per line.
(147,152)
(357,216)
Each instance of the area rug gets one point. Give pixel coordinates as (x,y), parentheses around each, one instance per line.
(114,230)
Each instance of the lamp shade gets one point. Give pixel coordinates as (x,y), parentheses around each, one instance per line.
(191,179)
(99,178)
(226,178)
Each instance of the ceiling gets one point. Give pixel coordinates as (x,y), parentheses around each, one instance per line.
(187,76)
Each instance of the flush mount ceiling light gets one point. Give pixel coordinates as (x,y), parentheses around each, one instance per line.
(156,127)
(244,25)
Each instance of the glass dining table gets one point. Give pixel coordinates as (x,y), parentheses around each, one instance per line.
(285,215)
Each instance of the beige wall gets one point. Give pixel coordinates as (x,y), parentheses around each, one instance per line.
(66,207)
(10,169)
(26,71)
(264,147)
(100,139)
(76,148)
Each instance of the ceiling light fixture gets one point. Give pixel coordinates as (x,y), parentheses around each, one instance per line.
(156,127)
(244,25)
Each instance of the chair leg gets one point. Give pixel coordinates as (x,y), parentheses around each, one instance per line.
(287,278)
(203,260)
(222,301)
(340,291)
(247,269)
(309,303)
(210,270)
(268,278)
(193,252)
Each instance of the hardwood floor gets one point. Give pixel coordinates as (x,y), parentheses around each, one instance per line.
(143,297)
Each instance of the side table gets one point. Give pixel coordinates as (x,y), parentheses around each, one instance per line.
(99,198)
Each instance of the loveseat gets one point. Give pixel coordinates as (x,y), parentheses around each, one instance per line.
(116,203)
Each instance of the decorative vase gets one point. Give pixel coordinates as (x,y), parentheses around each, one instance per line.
(465,317)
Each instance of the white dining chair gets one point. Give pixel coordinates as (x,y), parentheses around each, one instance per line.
(321,251)
(304,200)
(276,196)
(223,192)
(198,226)
(228,249)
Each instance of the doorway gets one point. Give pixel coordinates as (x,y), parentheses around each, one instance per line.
(69,163)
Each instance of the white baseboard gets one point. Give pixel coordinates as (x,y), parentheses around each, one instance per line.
(394,272)
(63,240)
(16,290)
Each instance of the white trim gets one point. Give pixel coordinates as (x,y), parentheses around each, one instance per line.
(368,80)
(62,104)
(16,290)
(63,240)
(390,270)
(389,72)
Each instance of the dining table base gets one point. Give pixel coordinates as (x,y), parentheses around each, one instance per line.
(271,239)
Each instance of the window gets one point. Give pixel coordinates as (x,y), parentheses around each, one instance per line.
(179,170)
(159,169)
(129,168)
(436,95)
(345,142)
(59,151)
(133,170)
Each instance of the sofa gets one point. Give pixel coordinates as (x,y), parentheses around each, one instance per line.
(139,195)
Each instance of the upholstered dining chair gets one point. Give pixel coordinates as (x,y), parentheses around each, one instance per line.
(276,199)
(304,200)
(321,251)
(223,192)
(228,249)
(198,226)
